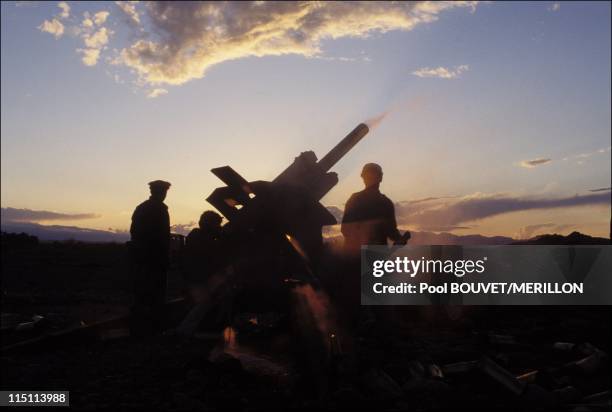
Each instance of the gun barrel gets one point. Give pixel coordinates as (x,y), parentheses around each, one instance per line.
(343,147)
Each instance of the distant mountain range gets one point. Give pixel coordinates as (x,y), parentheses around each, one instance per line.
(444,238)
(574,238)
(57,232)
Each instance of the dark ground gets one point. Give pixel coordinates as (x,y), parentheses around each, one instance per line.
(84,282)
(68,283)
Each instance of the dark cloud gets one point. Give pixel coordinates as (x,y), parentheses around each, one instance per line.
(428,199)
(448,213)
(445,228)
(10,214)
(535,162)
(602,189)
(481,206)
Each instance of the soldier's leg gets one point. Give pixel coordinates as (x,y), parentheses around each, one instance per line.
(163,286)
(158,282)
(138,284)
(143,301)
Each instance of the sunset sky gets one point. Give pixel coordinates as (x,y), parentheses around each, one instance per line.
(498,113)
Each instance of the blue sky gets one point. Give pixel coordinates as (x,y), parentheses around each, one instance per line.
(525,81)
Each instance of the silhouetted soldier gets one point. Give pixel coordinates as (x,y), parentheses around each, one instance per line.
(208,230)
(150,244)
(369,216)
(208,268)
(203,247)
(369,219)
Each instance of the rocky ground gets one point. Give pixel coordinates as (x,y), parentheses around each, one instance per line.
(422,359)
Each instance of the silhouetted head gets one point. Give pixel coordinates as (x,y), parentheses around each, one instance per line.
(371,174)
(159,188)
(210,221)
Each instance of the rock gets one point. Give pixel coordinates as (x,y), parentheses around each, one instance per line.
(534,397)
(381,385)
(501,375)
(227,363)
(567,394)
(459,367)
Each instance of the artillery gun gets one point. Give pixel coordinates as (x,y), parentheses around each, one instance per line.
(274,228)
(287,208)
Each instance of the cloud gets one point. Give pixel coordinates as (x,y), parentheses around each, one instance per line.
(54,27)
(441,72)
(26,3)
(10,214)
(100,17)
(191,37)
(87,23)
(156,93)
(65,13)
(97,39)
(535,162)
(527,231)
(582,157)
(129,8)
(601,189)
(90,56)
(555,7)
(418,205)
(479,206)
(176,42)
(429,199)
(94,40)
(447,228)
(449,213)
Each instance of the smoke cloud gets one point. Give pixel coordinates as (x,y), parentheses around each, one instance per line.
(373,122)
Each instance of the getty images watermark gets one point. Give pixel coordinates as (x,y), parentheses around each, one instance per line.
(486,275)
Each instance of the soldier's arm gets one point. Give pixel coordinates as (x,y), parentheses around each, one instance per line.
(135,226)
(393,232)
(166,223)
(348,218)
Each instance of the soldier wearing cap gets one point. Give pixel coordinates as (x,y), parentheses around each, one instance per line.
(369,216)
(149,250)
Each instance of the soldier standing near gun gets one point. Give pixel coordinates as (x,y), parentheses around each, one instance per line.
(369,216)
(204,248)
(149,249)
(369,219)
